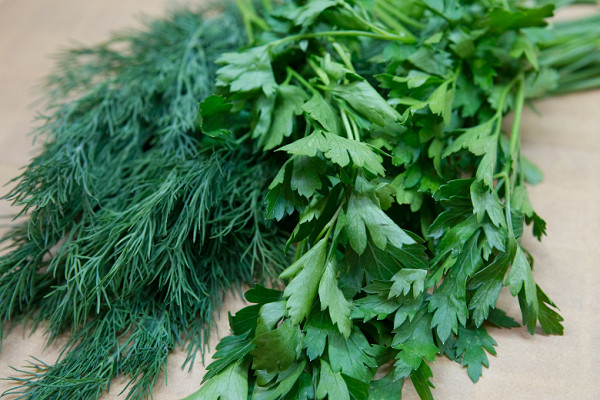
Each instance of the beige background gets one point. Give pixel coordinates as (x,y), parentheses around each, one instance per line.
(564,141)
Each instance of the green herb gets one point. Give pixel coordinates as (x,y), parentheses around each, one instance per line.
(368,133)
(410,199)
(137,223)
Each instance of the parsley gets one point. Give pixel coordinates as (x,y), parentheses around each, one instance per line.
(410,199)
(368,133)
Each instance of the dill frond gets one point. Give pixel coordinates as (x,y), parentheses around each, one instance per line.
(137,223)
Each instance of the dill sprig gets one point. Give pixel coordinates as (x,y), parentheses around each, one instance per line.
(137,223)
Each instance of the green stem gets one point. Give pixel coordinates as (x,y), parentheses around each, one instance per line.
(385,7)
(300,79)
(243,7)
(344,56)
(510,169)
(250,17)
(326,231)
(320,73)
(503,98)
(355,129)
(300,249)
(349,33)
(336,239)
(347,127)
(369,24)
(576,86)
(267,5)
(515,133)
(387,19)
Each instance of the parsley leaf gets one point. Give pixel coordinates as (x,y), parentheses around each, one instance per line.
(363,214)
(332,297)
(277,349)
(331,384)
(229,384)
(247,71)
(471,344)
(305,276)
(337,149)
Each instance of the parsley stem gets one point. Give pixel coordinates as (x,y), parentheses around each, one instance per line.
(344,56)
(514,133)
(300,249)
(250,17)
(288,78)
(371,26)
(388,9)
(346,124)
(331,223)
(503,97)
(390,21)
(246,19)
(498,116)
(354,129)
(326,231)
(510,168)
(401,37)
(292,73)
(320,73)
(267,5)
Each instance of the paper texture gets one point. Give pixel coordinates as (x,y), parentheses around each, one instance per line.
(564,141)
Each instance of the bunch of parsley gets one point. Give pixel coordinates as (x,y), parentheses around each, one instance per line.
(409,199)
(372,131)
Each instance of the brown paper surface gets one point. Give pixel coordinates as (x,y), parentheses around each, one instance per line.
(563,140)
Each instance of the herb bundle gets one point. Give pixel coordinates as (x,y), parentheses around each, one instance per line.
(409,198)
(137,223)
(371,130)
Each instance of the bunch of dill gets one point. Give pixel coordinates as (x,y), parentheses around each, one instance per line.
(137,224)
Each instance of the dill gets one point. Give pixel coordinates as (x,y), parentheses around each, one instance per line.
(137,223)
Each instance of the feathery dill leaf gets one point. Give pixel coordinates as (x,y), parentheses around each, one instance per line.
(137,222)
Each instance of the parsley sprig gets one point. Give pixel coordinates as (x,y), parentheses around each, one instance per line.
(409,199)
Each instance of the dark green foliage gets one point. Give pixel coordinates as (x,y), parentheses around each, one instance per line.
(408,198)
(137,221)
(571,49)
(411,200)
